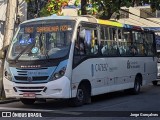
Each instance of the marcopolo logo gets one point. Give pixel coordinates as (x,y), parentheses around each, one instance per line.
(29,79)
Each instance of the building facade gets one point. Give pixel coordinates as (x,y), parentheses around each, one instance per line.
(21,16)
(3,5)
(142,16)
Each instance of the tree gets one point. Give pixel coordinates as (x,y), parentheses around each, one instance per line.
(99,8)
(54,7)
(34,7)
(105,8)
(9,30)
(84,7)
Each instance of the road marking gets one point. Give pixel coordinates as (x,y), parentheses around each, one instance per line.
(40,110)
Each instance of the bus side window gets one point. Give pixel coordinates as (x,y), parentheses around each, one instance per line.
(90,41)
(138,41)
(86,43)
(121,42)
(79,43)
(103,46)
(149,43)
(112,42)
(94,41)
(79,52)
(104,36)
(126,41)
(79,47)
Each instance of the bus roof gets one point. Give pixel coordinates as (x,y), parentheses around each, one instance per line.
(55,17)
(108,22)
(87,18)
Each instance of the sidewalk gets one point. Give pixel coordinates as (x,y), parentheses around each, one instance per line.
(4,101)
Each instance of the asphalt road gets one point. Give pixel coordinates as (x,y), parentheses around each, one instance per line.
(116,105)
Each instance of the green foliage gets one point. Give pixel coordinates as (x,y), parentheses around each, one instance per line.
(100,8)
(28,0)
(44,12)
(54,7)
(77,2)
(105,8)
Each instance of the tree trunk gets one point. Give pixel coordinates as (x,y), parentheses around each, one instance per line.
(11,11)
(10,22)
(83,7)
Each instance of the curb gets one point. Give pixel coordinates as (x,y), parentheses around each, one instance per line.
(8,101)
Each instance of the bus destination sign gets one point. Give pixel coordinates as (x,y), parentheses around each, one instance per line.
(40,29)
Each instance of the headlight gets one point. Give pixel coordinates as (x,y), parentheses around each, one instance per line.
(7,75)
(58,74)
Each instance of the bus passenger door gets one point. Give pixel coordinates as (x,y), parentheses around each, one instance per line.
(85,54)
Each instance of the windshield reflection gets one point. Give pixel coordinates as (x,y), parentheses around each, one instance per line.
(42,40)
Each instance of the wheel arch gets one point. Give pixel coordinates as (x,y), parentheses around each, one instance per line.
(87,84)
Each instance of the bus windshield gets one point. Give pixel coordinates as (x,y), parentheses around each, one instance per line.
(42,40)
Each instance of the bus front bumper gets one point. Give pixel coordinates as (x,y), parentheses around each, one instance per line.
(59,88)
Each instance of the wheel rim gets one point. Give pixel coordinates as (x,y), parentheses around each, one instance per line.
(80,95)
(137,86)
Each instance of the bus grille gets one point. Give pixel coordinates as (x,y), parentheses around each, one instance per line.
(34,78)
(22,76)
(30,89)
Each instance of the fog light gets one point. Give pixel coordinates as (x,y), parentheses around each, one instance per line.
(8,90)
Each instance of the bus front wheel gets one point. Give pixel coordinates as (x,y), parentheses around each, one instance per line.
(27,101)
(83,96)
(155,83)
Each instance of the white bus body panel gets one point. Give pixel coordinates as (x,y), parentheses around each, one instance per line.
(113,73)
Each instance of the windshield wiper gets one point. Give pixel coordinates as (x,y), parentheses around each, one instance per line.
(25,49)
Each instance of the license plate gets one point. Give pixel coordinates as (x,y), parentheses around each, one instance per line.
(29,95)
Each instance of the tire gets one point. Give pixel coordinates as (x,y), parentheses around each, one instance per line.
(155,83)
(27,101)
(83,97)
(137,86)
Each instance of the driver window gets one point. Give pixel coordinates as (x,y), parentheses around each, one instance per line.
(87,43)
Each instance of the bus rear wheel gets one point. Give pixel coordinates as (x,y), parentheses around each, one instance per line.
(82,97)
(137,86)
(27,101)
(155,83)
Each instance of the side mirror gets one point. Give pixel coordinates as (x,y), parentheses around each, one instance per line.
(2,56)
